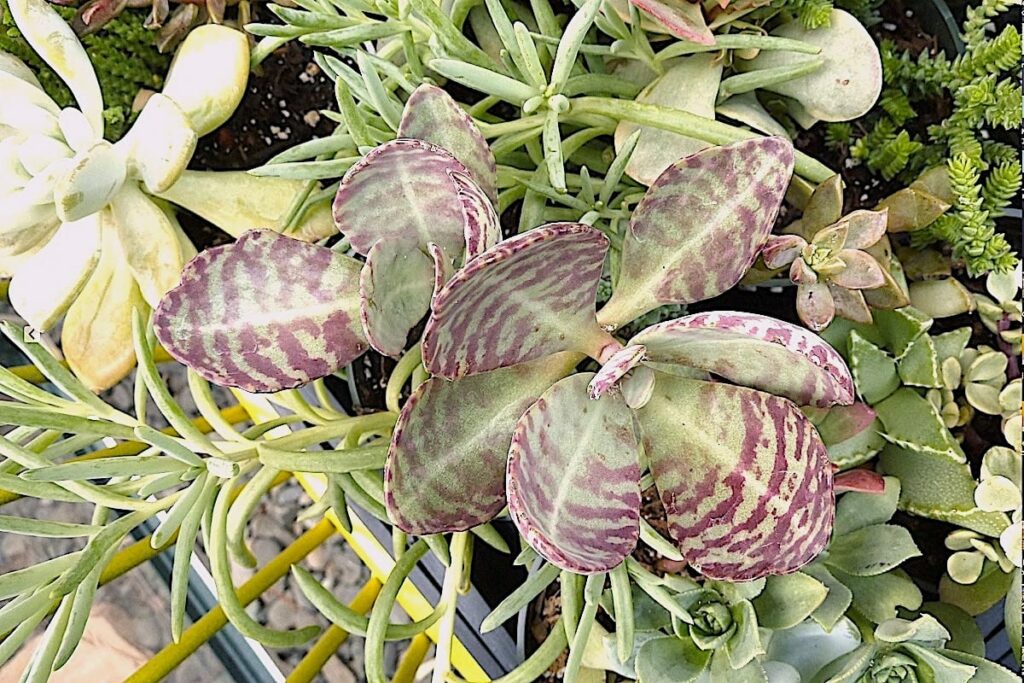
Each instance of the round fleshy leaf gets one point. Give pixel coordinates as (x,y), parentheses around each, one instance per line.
(402,189)
(53,40)
(846,86)
(755,351)
(815,305)
(431,114)
(160,143)
(690,85)
(700,226)
(527,297)
(395,286)
(614,369)
(149,241)
(95,177)
(446,466)
(48,281)
(265,313)
(96,336)
(574,478)
(748,494)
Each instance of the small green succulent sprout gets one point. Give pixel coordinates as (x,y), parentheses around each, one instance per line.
(1000,311)
(833,268)
(1011,405)
(983,378)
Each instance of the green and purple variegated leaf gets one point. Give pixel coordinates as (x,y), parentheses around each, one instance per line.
(443,268)
(527,297)
(615,368)
(403,189)
(446,467)
(755,351)
(574,478)
(681,18)
(265,313)
(432,115)
(395,287)
(701,225)
(482,226)
(748,494)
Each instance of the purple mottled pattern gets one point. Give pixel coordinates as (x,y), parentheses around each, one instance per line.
(446,467)
(443,268)
(748,493)
(263,314)
(432,115)
(574,478)
(395,287)
(402,189)
(527,297)
(483,229)
(756,351)
(703,222)
(615,369)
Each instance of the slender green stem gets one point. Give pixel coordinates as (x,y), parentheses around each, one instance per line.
(529,589)
(380,616)
(738,41)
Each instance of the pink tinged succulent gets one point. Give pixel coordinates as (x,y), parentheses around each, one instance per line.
(264,313)
(681,18)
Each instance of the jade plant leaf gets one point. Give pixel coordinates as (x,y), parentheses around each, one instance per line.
(451,433)
(395,287)
(432,115)
(788,600)
(574,477)
(747,496)
(527,297)
(848,83)
(402,189)
(690,84)
(700,226)
(670,660)
(871,550)
(265,313)
(755,351)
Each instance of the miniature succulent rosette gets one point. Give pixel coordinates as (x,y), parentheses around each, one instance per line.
(84,238)
(504,420)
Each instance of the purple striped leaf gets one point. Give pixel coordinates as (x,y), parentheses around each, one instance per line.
(700,226)
(527,297)
(403,189)
(614,369)
(264,313)
(482,226)
(446,467)
(754,351)
(574,478)
(432,115)
(749,493)
(443,268)
(395,287)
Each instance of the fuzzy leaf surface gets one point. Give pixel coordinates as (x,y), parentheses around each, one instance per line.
(431,114)
(530,296)
(574,477)
(263,314)
(755,351)
(701,224)
(748,494)
(446,467)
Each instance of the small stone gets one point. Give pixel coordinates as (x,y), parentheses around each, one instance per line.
(335,671)
(265,549)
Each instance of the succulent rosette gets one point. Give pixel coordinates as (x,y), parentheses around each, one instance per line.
(83,237)
(504,419)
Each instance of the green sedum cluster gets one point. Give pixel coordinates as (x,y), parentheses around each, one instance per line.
(123,55)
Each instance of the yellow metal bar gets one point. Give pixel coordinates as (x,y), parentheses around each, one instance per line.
(310,665)
(374,555)
(165,661)
(411,660)
(30,373)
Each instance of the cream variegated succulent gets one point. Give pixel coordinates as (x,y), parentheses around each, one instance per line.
(84,238)
(1000,311)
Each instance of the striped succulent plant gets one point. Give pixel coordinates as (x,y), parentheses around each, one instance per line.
(748,493)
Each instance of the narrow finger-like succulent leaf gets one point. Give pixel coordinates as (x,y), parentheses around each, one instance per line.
(701,225)
(395,286)
(615,368)
(402,189)
(431,114)
(446,466)
(747,496)
(574,478)
(755,351)
(265,313)
(527,297)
